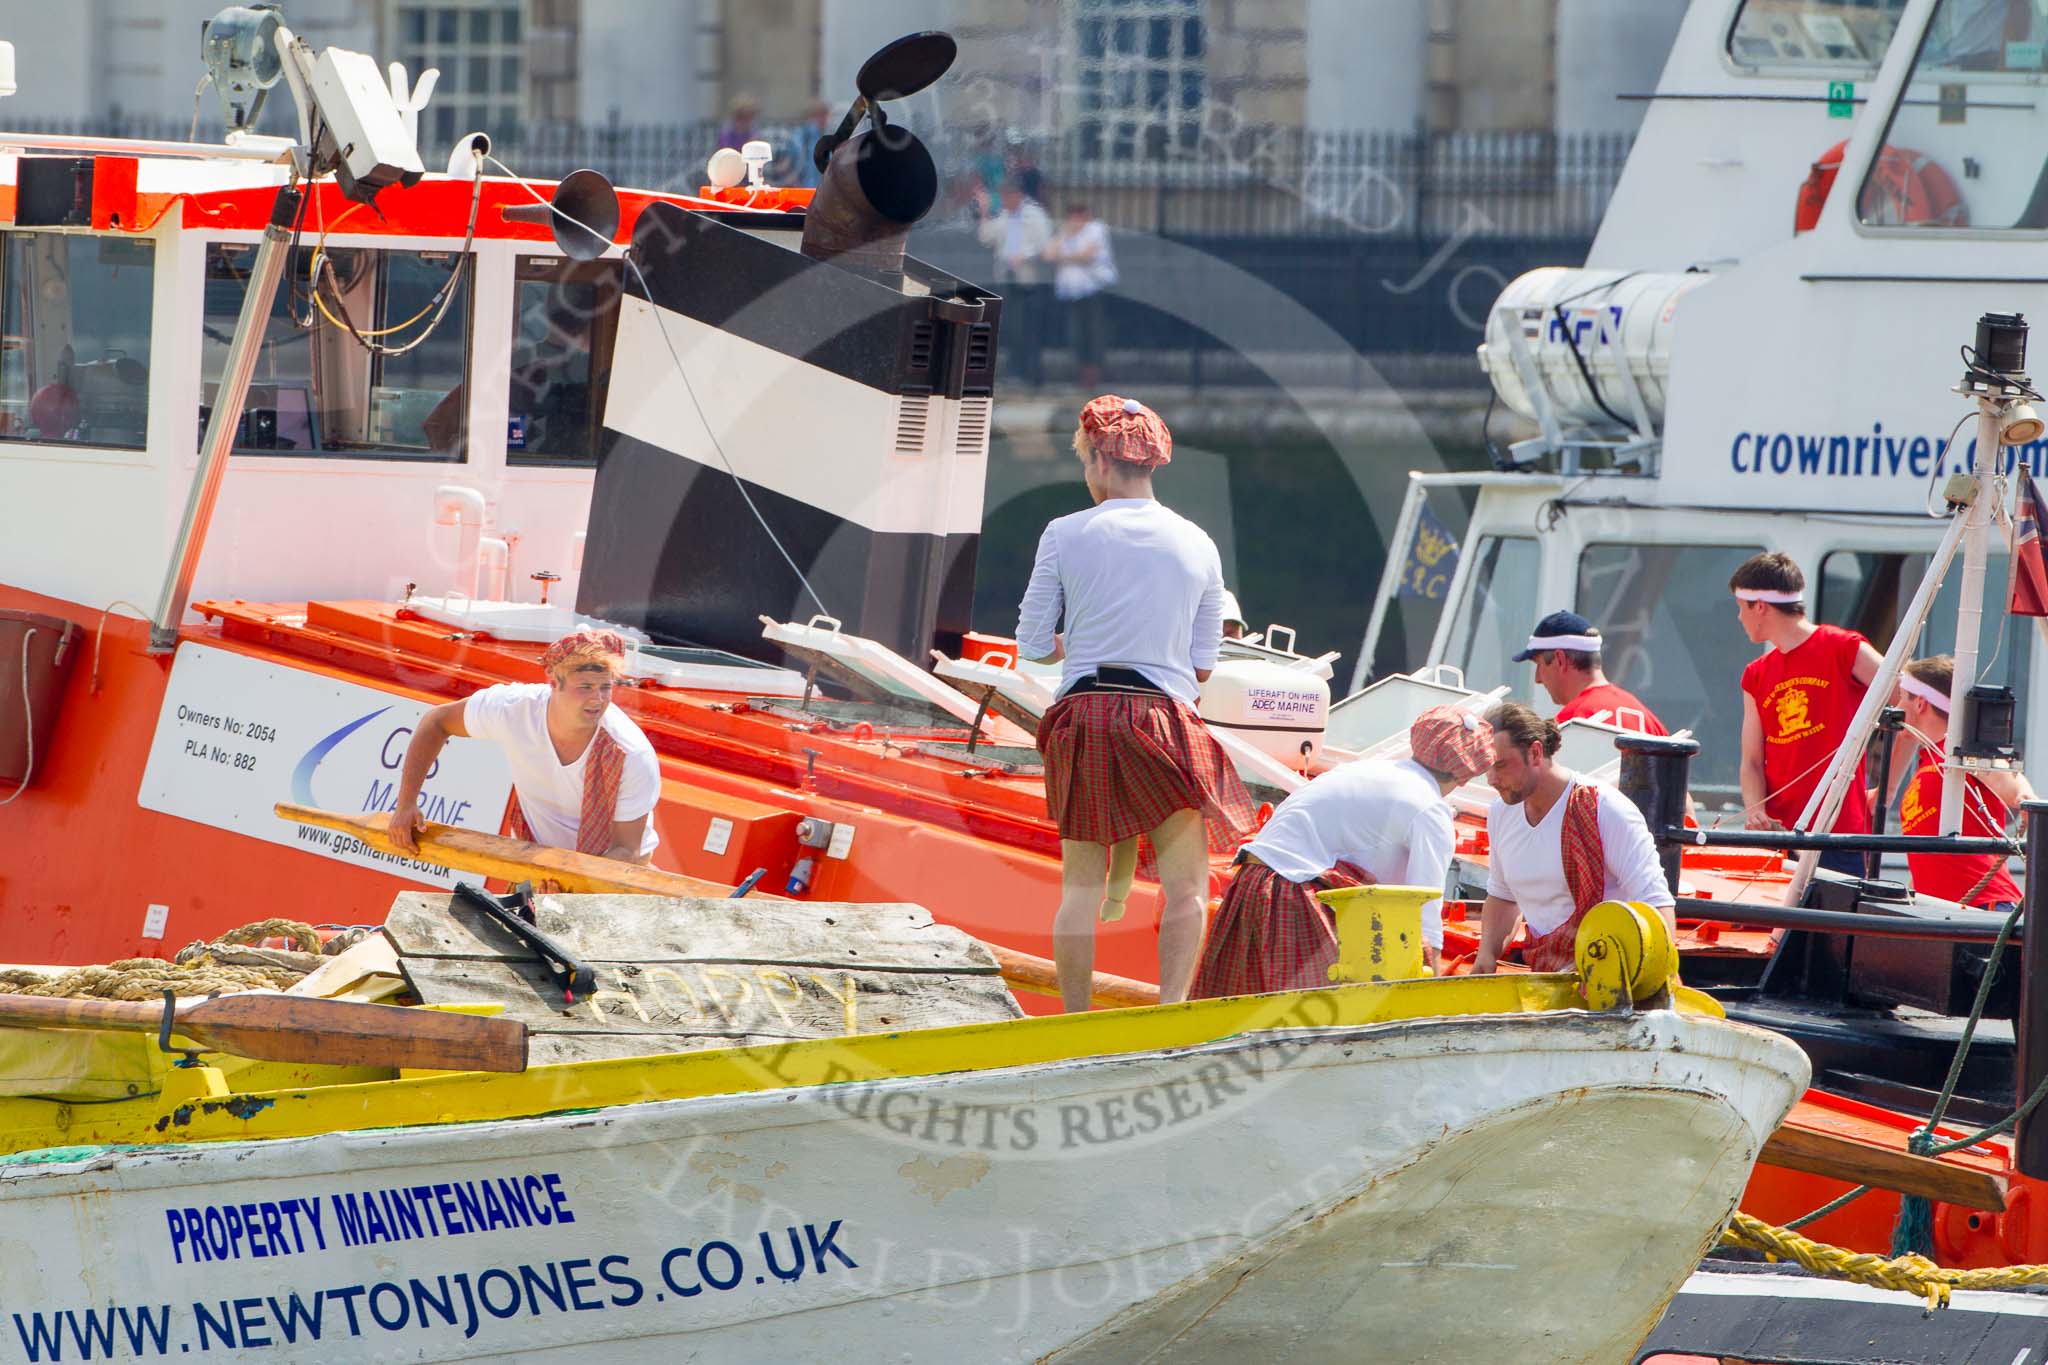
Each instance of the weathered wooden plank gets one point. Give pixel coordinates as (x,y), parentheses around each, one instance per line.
(1817,1152)
(729,1002)
(662,929)
(469,851)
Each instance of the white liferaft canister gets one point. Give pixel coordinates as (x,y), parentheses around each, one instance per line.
(1282,711)
(1579,322)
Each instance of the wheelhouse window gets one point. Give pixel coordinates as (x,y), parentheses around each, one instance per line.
(1671,638)
(1771,35)
(564,320)
(1962,147)
(1868,591)
(1497,608)
(74,339)
(317,389)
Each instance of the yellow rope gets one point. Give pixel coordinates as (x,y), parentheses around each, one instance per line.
(1909,1274)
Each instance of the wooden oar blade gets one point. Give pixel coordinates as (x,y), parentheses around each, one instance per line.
(286,1028)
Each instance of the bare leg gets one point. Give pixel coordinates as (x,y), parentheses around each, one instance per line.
(1083,868)
(1123,870)
(1182,844)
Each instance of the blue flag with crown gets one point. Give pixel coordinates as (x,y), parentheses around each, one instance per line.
(1430,558)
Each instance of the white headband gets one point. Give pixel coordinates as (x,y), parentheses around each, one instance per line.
(1770,595)
(1932,696)
(1584,644)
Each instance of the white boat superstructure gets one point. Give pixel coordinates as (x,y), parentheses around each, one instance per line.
(1792,395)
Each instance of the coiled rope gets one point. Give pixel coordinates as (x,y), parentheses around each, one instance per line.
(231,962)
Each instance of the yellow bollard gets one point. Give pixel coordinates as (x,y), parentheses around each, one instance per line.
(1379,931)
(1623,953)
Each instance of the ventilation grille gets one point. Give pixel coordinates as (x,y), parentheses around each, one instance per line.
(971,436)
(980,340)
(921,346)
(913,420)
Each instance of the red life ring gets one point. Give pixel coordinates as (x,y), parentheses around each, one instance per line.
(1904,187)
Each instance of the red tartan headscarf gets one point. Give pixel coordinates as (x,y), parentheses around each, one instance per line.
(1448,740)
(1125,429)
(592,648)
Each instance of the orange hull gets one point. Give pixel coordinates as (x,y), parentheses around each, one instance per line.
(84,860)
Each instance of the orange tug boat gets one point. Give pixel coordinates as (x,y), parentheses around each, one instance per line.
(627,428)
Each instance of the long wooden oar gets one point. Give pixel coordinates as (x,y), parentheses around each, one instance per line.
(468,850)
(513,860)
(293,1028)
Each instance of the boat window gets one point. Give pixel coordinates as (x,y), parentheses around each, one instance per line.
(1495,613)
(1770,35)
(1867,591)
(1673,640)
(565,316)
(1962,147)
(74,339)
(317,390)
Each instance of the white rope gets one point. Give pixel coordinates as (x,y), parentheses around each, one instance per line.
(28,711)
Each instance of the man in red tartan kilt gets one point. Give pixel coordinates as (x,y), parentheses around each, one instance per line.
(1140,591)
(1557,845)
(1377,820)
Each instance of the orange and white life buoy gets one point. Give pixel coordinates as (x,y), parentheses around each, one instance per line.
(1904,187)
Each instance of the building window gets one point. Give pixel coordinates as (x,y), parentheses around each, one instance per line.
(1135,82)
(565,317)
(74,339)
(477,46)
(318,391)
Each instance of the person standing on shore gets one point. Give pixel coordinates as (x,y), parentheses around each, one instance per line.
(1140,590)
(1082,269)
(1018,231)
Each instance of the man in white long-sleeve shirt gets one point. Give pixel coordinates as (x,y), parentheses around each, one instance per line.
(1381,821)
(1140,590)
(1558,844)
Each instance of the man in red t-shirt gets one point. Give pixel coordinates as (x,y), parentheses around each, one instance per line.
(1798,700)
(1566,651)
(1978,879)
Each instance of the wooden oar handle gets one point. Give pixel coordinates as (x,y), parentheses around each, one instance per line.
(38,1011)
(1026,972)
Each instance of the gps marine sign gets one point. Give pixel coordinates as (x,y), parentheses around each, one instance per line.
(237,735)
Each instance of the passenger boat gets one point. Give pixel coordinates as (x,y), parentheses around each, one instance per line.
(1759,354)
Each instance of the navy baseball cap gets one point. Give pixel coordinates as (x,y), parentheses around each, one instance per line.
(1561,630)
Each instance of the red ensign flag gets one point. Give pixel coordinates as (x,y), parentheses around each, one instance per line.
(2029,574)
